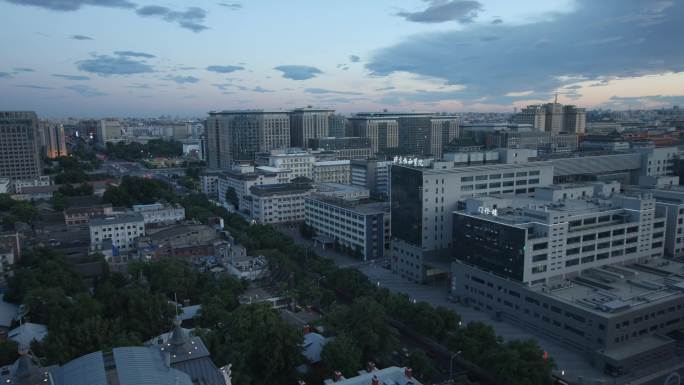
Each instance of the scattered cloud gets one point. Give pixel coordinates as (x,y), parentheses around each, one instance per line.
(139,86)
(385,88)
(224,69)
(354,59)
(192,18)
(5,75)
(298,72)
(85,91)
(261,90)
(536,55)
(72,5)
(134,54)
(183,79)
(497,21)
(649,101)
(105,65)
(81,37)
(519,94)
(31,86)
(23,69)
(232,6)
(326,91)
(439,11)
(71,77)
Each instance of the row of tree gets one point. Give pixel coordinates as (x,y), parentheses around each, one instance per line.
(135,151)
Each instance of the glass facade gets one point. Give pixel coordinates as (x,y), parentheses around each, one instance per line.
(407,197)
(491,246)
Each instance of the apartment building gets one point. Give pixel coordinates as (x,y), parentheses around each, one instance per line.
(19,145)
(239,135)
(359,226)
(278,203)
(334,171)
(122,230)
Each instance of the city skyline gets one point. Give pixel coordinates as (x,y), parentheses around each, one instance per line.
(141,58)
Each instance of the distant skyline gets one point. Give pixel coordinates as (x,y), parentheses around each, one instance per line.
(101,58)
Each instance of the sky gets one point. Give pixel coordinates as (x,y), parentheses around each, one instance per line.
(95,58)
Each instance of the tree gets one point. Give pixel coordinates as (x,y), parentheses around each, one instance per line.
(342,354)
(232,198)
(423,367)
(8,352)
(262,348)
(365,321)
(135,190)
(306,231)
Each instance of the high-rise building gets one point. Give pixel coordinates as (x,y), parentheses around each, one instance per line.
(372,174)
(337,126)
(109,130)
(405,133)
(534,116)
(55,141)
(344,148)
(19,145)
(574,119)
(238,135)
(381,129)
(308,123)
(554,117)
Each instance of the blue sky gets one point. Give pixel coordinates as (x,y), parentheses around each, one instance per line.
(145,58)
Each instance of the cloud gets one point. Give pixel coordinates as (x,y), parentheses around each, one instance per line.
(139,86)
(85,90)
(648,101)
(183,79)
(545,55)
(385,88)
(72,5)
(298,72)
(23,69)
(497,21)
(261,90)
(439,11)
(105,65)
(5,75)
(134,54)
(31,86)
(519,93)
(81,37)
(232,6)
(354,59)
(326,91)
(192,18)
(224,69)
(71,77)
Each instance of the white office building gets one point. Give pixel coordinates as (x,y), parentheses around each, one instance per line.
(122,230)
(334,171)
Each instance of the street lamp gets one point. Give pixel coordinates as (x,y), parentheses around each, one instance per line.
(451,364)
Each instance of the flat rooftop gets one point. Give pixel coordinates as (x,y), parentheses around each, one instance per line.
(513,215)
(116,220)
(616,289)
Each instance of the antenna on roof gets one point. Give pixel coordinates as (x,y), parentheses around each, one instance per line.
(555,101)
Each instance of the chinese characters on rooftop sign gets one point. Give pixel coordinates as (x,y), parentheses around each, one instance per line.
(409,161)
(488,211)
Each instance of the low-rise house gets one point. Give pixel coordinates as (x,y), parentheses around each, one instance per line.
(80,214)
(192,241)
(371,376)
(160,214)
